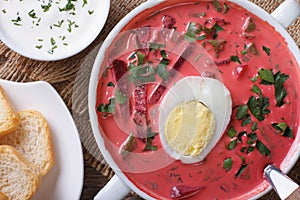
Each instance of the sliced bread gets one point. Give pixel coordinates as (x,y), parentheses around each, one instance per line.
(3,196)
(8,117)
(33,140)
(18,179)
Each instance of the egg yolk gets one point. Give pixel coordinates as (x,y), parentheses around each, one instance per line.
(189,127)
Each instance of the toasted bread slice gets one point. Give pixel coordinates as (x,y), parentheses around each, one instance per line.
(3,196)
(8,117)
(18,179)
(33,140)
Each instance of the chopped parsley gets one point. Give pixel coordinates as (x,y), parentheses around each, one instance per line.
(232,144)
(227,164)
(235,59)
(120,97)
(231,132)
(267,50)
(284,129)
(266,76)
(241,170)
(32,14)
(278,80)
(149,140)
(263,149)
(155,46)
(59,23)
(46,7)
(258,106)
(216,4)
(69,6)
(161,69)
(108,108)
(17,21)
(192,31)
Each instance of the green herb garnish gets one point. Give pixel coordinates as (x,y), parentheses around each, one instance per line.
(227,164)
(256,89)
(216,4)
(110,84)
(267,50)
(226,8)
(155,46)
(161,69)
(232,144)
(59,23)
(284,129)
(192,31)
(231,132)
(149,139)
(242,112)
(120,97)
(241,170)
(108,108)
(32,14)
(235,59)
(258,106)
(69,6)
(263,149)
(266,76)
(144,74)
(17,21)
(46,7)
(280,91)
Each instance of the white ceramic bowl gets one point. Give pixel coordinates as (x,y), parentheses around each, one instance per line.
(40,30)
(118,186)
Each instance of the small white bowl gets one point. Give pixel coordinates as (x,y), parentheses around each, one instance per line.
(51,30)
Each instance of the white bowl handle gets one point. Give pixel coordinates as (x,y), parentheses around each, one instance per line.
(115,189)
(287,12)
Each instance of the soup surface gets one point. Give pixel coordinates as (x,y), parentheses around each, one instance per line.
(245,53)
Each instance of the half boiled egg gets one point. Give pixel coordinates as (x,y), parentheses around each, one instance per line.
(194,114)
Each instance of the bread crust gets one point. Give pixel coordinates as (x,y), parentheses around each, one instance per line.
(33,140)
(3,196)
(13,162)
(9,121)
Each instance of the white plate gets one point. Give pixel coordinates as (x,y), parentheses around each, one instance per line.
(34,31)
(65,180)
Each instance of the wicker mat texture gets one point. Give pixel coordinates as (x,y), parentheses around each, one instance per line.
(70,78)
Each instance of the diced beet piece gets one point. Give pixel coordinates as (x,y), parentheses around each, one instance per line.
(222,62)
(119,68)
(140,98)
(183,191)
(156,95)
(168,21)
(239,70)
(249,25)
(182,58)
(140,118)
(208,74)
(139,105)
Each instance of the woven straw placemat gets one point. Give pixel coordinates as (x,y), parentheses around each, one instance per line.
(70,78)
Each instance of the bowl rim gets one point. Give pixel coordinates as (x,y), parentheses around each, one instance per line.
(251,8)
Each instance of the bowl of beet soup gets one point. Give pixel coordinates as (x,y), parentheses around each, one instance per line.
(150,50)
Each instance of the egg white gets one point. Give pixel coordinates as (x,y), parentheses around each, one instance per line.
(211,92)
